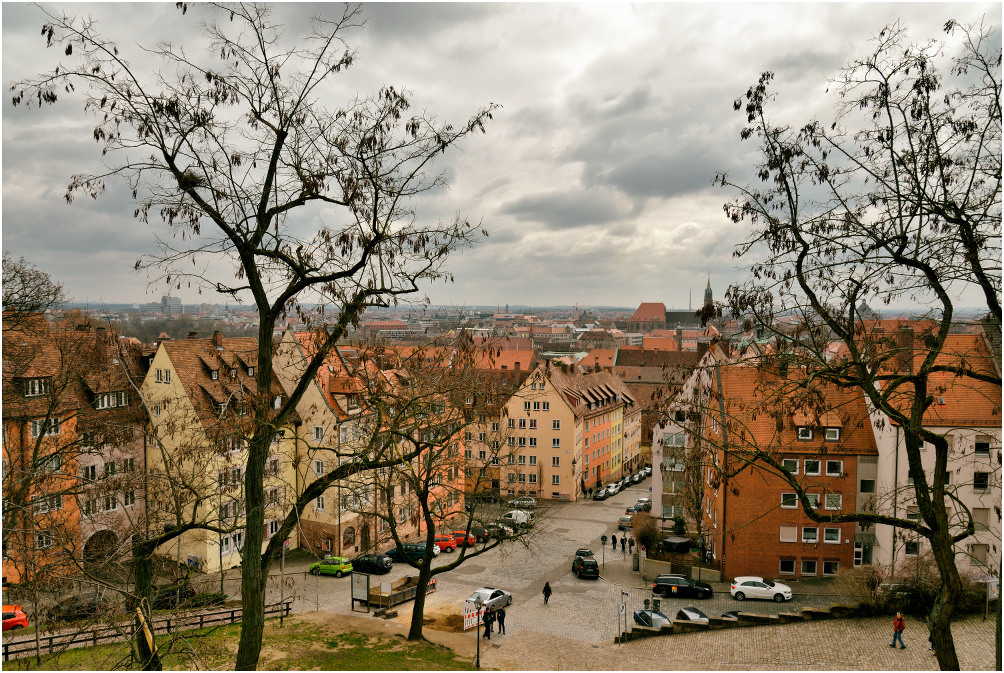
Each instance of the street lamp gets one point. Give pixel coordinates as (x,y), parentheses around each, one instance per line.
(477,627)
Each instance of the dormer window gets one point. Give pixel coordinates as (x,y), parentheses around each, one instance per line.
(36,387)
(214,374)
(233,372)
(250,371)
(832,434)
(804,434)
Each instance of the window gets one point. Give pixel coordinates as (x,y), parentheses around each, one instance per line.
(811,467)
(250,371)
(556,424)
(521,460)
(536,406)
(110,503)
(810,534)
(482,454)
(555,443)
(521,478)
(867,486)
(831,567)
(831,434)
(533,478)
(511,478)
(128,464)
(318,468)
(789,533)
(555,461)
(786,566)
(319,503)
(982,445)
(48,428)
(273,527)
(981,481)
(160,376)
(522,424)
(53,463)
(318,433)
(109,469)
(129,498)
(546,406)
(533,423)
(482,436)
(978,553)
(511,423)
(834,468)
(167,376)
(789,500)
(555,480)
(533,460)
(36,387)
(831,535)
(272,467)
(791,465)
(808,567)
(526,406)
(911,548)
(981,518)
(89,507)
(813,499)
(804,434)
(521,441)
(510,441)
(495,426)
(90,473)
(214,374)
(43,539)
(533,441)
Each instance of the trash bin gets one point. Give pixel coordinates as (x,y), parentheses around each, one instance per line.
(634,561)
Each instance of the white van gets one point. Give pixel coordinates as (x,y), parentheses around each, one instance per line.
(516,518)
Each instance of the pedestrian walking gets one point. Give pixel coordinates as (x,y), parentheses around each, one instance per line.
(547,592)
(500,618)
(631,545)
(898,625)
(623,544)
(489,620)
(613,539)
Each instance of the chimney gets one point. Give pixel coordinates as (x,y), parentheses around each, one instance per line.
(679,337)
(218,339)
(193,335)
(904,347)
(517,365)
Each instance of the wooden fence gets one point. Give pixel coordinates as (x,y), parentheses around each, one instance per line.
(182,622)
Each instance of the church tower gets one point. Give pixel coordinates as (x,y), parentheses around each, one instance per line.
(708,304)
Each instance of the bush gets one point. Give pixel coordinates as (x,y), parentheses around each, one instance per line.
(679,526)
(208,598)
(645,530)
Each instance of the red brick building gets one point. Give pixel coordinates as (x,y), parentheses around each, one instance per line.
(755,521)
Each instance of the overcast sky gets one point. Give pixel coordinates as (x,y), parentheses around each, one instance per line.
(594,179)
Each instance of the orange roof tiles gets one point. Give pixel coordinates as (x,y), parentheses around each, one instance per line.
(650,312)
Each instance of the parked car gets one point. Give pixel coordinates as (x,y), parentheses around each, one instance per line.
(613,489)
(684,587)
(582,551)
(332,565)
(601,494)
(77,607)
(14,618)
(446,543)
(465,539)
(413,550)
(637,477)
(624,523)
(492,598)
(585,566)
(692,614)
(375,564)
(498,530)
(757,587)
(644,505)
(516,519)
(523,502)
(648,470)
(650,618)
(170,596)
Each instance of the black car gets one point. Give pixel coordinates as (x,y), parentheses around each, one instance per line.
(414,550)
(77,607)
(601,494)
(497,530)
(680,586)
(585,566)
(374,564)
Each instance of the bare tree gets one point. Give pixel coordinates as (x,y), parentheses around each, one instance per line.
(27,291)
(228,152)
(898,200)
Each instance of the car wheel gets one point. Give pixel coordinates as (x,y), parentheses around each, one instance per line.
(17,626)
(315,571)
(740,596)
(338,573)
(778,598)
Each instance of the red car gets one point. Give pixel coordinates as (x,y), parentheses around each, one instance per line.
(446,543)
(459,535)
(14,617)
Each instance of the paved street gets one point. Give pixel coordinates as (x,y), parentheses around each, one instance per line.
(576,630)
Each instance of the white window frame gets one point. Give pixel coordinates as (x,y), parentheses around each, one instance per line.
(833,501)
(804,433)
(318,433)
(318,466)
(828,531)
(790,460)
(545,406)
(815,567)
(810,534)
(839,465)
(813,473)
(792,497)
(782,571)
(319,503)
(792,530)
(831,434)
(555,480)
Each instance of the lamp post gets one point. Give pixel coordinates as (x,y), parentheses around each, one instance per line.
(477,628)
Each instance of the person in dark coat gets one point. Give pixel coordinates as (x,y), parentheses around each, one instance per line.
(613,539)
(547,592)
(623,544)
(500,618)
(631,545)
(489,620)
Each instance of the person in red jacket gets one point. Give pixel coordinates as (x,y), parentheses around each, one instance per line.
(898,625)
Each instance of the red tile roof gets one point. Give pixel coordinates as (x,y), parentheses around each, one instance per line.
(650,312)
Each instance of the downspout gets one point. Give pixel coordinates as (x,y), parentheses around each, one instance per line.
(725,461)
(895,501)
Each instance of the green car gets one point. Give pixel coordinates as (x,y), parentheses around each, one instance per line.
(332,565)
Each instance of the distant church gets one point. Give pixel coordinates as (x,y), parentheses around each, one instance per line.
(652,316)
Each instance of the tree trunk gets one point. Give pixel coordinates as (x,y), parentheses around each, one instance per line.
(418,612)
(143,577)
(944,604)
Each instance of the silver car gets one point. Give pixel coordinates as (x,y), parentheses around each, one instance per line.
(492,598)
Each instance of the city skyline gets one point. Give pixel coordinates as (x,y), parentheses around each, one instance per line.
(594,179)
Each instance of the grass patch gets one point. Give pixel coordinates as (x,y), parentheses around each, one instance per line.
(298,646)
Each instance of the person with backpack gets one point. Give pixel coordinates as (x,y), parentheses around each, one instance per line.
(898,625)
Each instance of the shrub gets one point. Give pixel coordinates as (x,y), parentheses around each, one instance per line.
(207,598)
